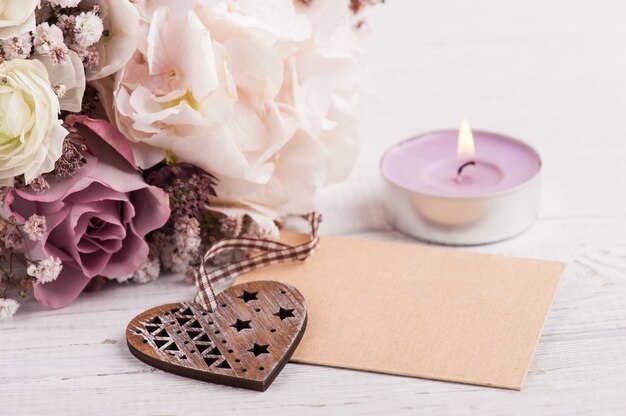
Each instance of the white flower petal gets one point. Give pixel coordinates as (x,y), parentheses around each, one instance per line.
(71,75)
(17,17)
(181,50)
(121,20)
(31,135)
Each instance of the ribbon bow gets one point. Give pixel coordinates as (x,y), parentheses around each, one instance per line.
(272,253)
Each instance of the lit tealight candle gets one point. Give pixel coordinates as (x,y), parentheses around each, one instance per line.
(462,188)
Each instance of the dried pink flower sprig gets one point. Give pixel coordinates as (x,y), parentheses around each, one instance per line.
(69,25)
(16,47)
(62,25)
(190,188)
(193,226)
(81,32)
(15,240)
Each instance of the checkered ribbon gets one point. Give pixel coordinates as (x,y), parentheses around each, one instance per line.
(273,253)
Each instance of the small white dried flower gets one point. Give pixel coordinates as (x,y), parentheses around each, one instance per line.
(181,261)
(263,229)
(187,236)
(88,29)
(186,245)
(47,38)
(12,238)
(58,54)
(164,245)
(18,47)
(8,307)
(46,270)
(35,227)
(146,273)
(232,226)
(187,242)
(60,90)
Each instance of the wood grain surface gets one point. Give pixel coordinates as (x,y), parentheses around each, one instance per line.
(551,73)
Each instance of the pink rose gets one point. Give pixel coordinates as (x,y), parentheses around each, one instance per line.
(97,220)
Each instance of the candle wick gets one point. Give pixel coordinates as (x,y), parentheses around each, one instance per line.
(459,172)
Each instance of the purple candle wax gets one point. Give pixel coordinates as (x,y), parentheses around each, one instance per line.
(429,164)
(448,188)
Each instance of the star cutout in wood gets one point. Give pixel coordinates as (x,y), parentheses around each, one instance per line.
(259,349)
(241,325)
(284,313)
(248,296)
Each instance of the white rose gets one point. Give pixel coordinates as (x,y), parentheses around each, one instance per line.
(17,17)
(30,131)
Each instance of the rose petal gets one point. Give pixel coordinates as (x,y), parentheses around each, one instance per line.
(94,264)
(89,245)
(107,231)
(152,207)
(107,211)
(107,132)
(135,253)
(96,192)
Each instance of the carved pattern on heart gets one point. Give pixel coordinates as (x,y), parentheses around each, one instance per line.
(244,343)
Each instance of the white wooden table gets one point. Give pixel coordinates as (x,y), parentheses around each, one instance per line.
(552,73)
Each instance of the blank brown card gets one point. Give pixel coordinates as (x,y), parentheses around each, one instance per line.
(420,311)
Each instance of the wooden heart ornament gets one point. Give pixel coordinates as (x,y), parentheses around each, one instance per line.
(244,343)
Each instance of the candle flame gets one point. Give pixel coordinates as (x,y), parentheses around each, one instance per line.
(465,144)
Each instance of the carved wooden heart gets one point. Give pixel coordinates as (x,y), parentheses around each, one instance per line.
(244,343)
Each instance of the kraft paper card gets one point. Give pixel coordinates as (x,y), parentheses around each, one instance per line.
(420,311)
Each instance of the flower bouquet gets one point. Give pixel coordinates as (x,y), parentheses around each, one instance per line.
(136,134)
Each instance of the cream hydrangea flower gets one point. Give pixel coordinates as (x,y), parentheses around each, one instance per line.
(31,135)
(261,93)
(17,17)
